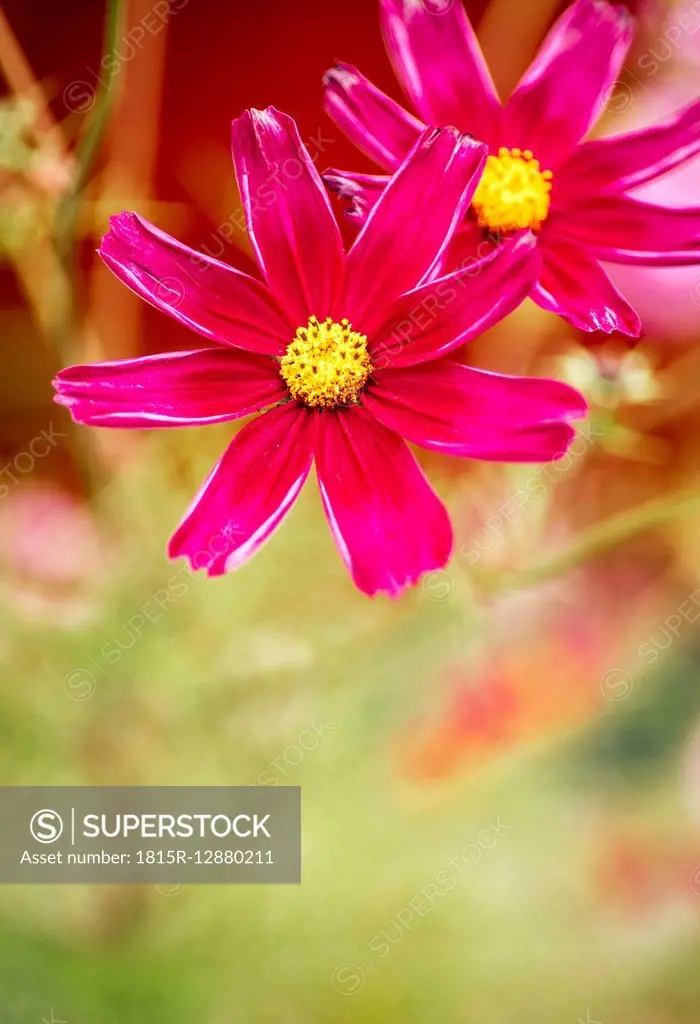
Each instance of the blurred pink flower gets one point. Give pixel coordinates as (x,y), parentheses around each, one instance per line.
(539,175)
(332,395)
(51,553)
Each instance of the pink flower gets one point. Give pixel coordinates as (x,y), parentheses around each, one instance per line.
(52,556)
(345,351)
(539,174)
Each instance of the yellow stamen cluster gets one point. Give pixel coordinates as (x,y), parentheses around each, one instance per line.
(326,364)
(513,192)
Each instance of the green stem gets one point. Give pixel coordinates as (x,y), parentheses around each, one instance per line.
(89,145)
(66,223)
(598,539)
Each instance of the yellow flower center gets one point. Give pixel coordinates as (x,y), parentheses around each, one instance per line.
(326,364)
(513,192)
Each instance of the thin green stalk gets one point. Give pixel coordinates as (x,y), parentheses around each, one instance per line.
(89,145)
(65,328)
(601,537)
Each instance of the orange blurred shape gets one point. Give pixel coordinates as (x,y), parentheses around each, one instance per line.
(637,874)
(532,693)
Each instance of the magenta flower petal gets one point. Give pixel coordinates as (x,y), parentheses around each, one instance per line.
(172,390)
(288,213)
(202,293)
(439,62)
(362,191)
(388,524)
(457,393)
(471,245)
(463,411)
(621,229)
(566,87)
(249,491)
(434,319)
(622,162)
(371,119)
(575,286)
(445,166)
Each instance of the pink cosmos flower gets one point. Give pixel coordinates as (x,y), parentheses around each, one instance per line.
(539,175)
(345,351)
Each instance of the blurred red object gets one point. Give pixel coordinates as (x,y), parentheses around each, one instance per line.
(640,875)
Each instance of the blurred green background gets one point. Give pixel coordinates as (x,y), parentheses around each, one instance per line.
(501,771)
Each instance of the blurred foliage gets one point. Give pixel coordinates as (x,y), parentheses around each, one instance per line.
(218,688)
(472,715)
